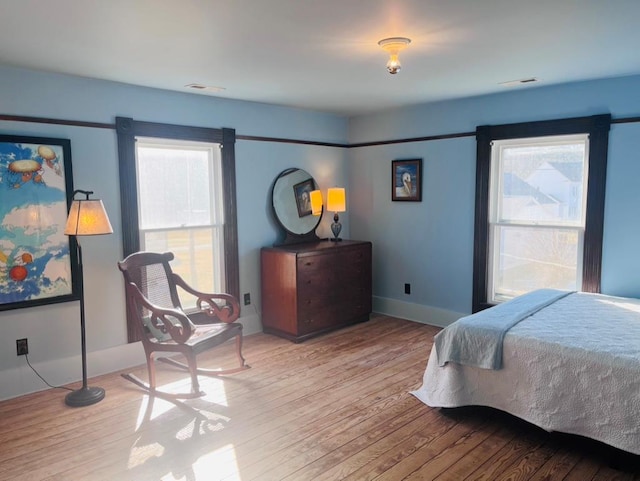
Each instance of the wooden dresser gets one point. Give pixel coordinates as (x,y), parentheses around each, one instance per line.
(311,288)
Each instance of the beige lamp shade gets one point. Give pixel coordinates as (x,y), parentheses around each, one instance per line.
(316,202)
(87,217)
(336,199)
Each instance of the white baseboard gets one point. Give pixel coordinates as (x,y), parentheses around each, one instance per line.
(251,324)
(22,380)
(433,316)
(58,372)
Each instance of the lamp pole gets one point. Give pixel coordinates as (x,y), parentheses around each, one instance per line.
(85,396)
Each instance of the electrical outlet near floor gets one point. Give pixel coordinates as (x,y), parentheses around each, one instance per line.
(22,347)
(407,288)
(247,299)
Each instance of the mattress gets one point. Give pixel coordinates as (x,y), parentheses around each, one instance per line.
(573,367)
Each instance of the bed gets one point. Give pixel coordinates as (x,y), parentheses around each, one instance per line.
(570,363)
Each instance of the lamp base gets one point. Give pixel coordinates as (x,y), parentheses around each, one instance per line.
(336,227)
(84,396)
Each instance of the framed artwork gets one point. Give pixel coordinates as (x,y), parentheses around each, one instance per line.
(36,186)
(406,180)
(302,192)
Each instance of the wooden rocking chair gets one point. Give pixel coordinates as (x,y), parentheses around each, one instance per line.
(152,301)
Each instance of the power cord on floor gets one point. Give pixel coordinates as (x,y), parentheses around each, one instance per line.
(26,356)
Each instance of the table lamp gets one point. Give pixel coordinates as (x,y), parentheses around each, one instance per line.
(336,202)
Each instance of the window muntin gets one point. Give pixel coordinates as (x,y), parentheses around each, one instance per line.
(180,209)
(537,214)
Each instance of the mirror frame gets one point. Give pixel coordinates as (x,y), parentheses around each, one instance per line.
(291,236)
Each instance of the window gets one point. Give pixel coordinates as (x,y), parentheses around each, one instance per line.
(537,214)
(180,209)
(178,193)
(539,207)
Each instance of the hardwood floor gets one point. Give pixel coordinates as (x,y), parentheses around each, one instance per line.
(333,408)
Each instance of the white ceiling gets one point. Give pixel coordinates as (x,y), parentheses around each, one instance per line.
(323,54)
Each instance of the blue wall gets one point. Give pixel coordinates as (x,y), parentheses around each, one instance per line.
(430,244)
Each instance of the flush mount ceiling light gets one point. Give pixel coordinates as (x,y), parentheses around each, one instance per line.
(393,45)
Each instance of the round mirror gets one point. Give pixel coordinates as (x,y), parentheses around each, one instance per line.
(291,201)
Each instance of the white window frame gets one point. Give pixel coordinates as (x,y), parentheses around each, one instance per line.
(216,224)
(496,222)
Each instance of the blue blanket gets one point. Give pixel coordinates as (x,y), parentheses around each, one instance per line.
(476,340)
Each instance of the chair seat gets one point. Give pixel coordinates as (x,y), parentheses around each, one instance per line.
(209,335)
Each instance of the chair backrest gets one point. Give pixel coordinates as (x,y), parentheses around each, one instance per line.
(151,273)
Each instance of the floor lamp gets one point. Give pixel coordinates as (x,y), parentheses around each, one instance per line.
(86,217)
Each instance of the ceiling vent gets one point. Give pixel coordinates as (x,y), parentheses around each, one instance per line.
(205,88)
(524,81)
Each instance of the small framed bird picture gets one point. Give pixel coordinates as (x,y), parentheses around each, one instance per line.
(406,180)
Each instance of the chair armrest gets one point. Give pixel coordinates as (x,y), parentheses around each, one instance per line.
(161,317)
(206,302)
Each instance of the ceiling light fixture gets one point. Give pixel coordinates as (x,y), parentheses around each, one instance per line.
(393,45)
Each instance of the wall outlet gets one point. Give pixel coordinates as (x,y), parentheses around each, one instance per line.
(247,299)
(407,288)
(22,347)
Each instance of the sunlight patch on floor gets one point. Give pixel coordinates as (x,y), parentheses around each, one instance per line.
(215,394)
(184,425)
(139,455)
(218,464)
(215,391)
(150,410)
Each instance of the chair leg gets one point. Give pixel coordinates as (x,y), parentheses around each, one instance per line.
(195,391)
(193,371)
(151,369)
(243,362)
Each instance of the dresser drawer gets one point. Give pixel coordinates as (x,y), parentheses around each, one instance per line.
(315,292)
(309,264)
(338,262)
(328,315)
(357,300)
(319,318)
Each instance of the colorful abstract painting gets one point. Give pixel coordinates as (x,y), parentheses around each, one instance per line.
(35,263)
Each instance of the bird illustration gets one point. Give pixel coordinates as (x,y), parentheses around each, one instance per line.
(406,182)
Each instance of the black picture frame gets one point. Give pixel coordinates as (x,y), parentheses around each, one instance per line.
(302,192)
(38,265)
(406,180)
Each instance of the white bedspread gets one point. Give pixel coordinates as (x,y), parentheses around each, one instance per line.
(477,340)
(572,367)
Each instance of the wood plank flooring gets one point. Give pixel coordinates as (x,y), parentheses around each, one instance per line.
(335,407)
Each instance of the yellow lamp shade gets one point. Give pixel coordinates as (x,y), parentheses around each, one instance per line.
(336,199)
(316,202)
